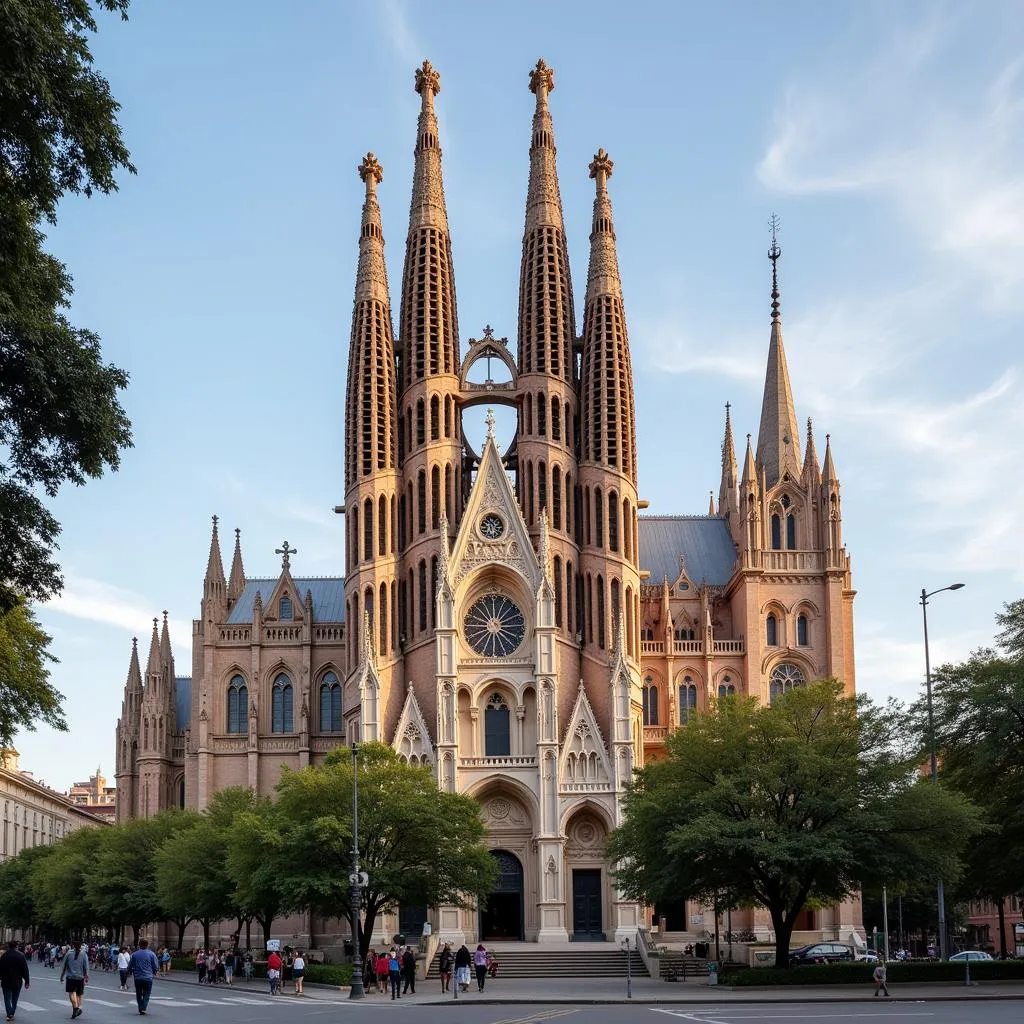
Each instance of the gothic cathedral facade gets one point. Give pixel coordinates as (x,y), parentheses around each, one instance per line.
(507,618)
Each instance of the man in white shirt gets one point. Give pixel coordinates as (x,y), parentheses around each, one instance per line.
(122,968)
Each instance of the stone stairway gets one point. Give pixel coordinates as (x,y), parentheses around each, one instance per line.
(574,960)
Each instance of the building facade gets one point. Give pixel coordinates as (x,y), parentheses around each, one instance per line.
(507,617)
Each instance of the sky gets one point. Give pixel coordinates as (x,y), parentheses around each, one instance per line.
(886,136)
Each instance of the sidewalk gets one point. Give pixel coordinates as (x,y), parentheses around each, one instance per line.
(645,990)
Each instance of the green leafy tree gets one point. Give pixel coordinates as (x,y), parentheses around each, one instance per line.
(26,693)
(781,806)
(60,880)
(419,845)
(18,908)
(1011,632)
(60,417)
(254,840)
(122,885)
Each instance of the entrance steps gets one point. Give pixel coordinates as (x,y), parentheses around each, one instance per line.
(568,960)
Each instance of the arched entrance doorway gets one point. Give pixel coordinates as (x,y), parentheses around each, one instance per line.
(501,915)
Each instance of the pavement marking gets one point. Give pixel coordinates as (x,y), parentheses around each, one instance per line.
(536,1018)
(24,1004)
(702,1017)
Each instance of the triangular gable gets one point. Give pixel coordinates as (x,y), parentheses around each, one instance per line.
(285,586)
(412,738)
(493,493)
(584,756)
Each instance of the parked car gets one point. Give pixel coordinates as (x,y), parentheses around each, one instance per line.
(969,954)
(821,953)
(868,957)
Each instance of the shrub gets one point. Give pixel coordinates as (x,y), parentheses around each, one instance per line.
(329,974)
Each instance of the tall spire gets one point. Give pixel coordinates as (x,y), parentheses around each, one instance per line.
(812,470)
(429,323)
(547,320)
(370,407)
(134,682)
(236,584)
(607,419)
(828,472)
(749,469)
(214,564)
(730,476)
(166,654)
(153,666)
(778,441)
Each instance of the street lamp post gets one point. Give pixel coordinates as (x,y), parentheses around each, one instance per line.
(925,594)
(624,945)
(356,991)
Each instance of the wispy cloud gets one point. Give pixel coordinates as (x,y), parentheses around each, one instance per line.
(399,32)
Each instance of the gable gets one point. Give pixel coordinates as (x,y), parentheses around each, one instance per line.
(584,759)
(328,598)
(412,737)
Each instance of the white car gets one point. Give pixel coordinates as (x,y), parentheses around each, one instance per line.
(868,957)
(969,954)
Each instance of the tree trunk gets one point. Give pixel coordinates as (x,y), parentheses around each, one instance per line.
(366,930)
(206,933)
(248,933)
(1002,926)
(783,935)
(182,923)
(265,923)
(135,933)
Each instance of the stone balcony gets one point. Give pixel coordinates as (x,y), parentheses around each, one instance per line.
(696,648)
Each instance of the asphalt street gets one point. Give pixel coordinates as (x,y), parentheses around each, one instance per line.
(192,1004)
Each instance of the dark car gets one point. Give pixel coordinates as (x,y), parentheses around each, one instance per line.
(821,953)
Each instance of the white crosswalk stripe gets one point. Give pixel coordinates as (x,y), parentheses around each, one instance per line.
(247,1002)
(24,1004)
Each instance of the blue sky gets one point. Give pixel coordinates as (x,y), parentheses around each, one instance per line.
(888,137)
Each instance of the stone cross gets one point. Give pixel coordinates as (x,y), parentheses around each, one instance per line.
(284,551)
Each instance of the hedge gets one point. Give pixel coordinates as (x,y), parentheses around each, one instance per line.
(860,973)
(319,974)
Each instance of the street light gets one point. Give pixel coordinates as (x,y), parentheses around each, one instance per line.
(925,594)
(356,991)
(624,945)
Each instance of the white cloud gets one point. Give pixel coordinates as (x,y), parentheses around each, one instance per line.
(400,35)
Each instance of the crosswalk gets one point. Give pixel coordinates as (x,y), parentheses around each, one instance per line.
(28,1006)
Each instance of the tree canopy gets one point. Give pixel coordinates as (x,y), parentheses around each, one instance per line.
(26,693)
(796,802)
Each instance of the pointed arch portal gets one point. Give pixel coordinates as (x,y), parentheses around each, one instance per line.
(501,914)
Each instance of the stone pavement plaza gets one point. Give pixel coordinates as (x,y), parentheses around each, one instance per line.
(589,1001)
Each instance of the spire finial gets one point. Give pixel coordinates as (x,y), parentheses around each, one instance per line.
(773,254)
(214,524)
(542,81)
(284,551)
(371,173)
(601,168)
(490,424)
(428,83)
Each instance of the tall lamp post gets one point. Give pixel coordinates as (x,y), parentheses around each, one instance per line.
(356,991)
(925,594)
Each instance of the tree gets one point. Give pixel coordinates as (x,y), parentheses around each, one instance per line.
(254,840)
(60,418)
(59,883)
(18,909)
(26,693)
(419,845)
(797,802)
(1011,634)
(122,884)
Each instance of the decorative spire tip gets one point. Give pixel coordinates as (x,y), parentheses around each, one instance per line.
(773,254)
(490,424)
(601,167)
(428,81)
(371,172)
(542,79)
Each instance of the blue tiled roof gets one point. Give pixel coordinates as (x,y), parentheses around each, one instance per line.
(182,701)
(328,598)
(703,541)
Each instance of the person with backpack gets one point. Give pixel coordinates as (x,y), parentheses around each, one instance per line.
(143,967)
(463,959)
(74,973)
(13,974)
(444,967)
(395,973)
(409,970)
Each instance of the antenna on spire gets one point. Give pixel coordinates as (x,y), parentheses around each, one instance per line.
(773,254)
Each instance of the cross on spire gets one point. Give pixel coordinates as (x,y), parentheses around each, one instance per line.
(773,254)
(284,551)
(490,423)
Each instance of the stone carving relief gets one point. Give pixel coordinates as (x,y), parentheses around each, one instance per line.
(505,813)
(586,837)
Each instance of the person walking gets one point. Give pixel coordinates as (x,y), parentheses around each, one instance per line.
(444,967)
(144,967)
(13,974)
(201,965)
(274,971)
(880,975)
(298,971)
(74,973)
(409,970)
(463,959)
(480,962)
(229,966)
(382,973)
(122,968)
(395,973)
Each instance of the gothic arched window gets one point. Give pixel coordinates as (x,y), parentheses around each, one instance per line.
(238,704)
(421,501)
(556,426)
(726,688)
(435,498)
(650,701)
(556,497)
(423,595)
(497,727)
(791,532)
(613,521)
(687,698)
(598,518)
(542,417)
(771,631)
(783,678)
(330,703)
(368,529)
(420,428)
(281,704)
(802,637)
(285,611)
(435,417)
(776,532)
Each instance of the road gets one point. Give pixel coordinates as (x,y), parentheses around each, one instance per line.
(192,1004)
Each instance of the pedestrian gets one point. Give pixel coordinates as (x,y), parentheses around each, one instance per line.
(444,966)
(211,968)
(382,973)
(298,971)
(229,966)
(13,973)
(74,973)
(247,966)
(409,970)
(122,968)
(463,959)
(480,962)
(880,978)
(144,967)
(395,973)
(222,974)
(274,971)
(165,961)
(201,965)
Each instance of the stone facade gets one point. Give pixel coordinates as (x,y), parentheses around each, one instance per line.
(507,617)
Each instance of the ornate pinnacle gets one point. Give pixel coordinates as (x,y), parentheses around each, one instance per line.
(542,79)
(773,254)
(428,81)
(601,167)
(490,423)
(371,172)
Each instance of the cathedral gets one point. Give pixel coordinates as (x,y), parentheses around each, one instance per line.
(508,618)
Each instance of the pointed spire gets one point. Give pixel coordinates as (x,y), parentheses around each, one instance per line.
(547,319)
(165,644)
(749,469)
(236,584)
(730,474)
(214,565)
(134,682)
(778,442)
(429,324)
(153,665)
(811,471)
(828,472)
(607,410)
(711,503)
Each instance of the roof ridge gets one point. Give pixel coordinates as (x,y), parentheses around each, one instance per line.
(680,518)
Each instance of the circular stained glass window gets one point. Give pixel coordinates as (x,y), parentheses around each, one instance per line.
(494,626)
(491,526)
